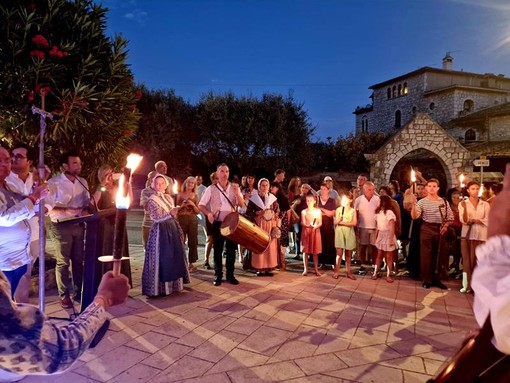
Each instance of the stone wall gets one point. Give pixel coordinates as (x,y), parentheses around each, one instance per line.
(420,133)
(499,129)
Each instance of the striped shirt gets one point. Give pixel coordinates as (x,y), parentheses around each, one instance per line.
(434,211)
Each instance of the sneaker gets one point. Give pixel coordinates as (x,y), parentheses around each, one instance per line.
(66,302)
(362,270)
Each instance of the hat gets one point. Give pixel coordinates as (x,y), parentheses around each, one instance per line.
(328,178)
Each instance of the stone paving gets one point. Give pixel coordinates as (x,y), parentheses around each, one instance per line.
(286,328)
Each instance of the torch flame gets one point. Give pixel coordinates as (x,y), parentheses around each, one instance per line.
(413,175)
(344,201)
(121,201)
(461,180)
(133,160)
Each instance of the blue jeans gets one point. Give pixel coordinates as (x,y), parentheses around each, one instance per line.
(14,276)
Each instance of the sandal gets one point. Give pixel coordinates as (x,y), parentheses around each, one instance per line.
(389,279)
(374,277)
(335,276)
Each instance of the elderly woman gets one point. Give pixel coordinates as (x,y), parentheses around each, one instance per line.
(263,209)
(165,268)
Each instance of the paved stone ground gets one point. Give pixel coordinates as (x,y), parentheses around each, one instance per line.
(283,328)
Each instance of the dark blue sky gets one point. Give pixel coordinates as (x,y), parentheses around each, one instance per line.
(326,53)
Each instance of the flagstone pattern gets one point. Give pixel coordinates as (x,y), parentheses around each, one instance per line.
(286,328)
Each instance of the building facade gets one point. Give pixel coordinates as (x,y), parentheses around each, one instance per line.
(442,118)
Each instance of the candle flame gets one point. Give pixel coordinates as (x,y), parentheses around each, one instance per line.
(413,175)
(133,160)
(121,201)
(461,180)
(175,188)
(344,201)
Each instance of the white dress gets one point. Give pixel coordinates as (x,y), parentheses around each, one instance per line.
(384,241)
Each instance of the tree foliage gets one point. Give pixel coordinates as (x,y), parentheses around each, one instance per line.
(58,48)
(349,151)
(166,130)
(253,134)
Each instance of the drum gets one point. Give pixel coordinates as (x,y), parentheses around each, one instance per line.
(476,361)
(244,232)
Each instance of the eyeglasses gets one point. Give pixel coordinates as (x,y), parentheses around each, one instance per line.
(18,157)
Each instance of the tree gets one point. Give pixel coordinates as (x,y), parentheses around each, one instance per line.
(349,151)
(166,130)
(57,50)
(251,134)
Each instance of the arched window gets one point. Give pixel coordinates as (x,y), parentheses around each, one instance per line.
(469,105)
(400,89)
(398,119)
(394,91)
(406,90)
(389,93)
(470,135)
(432,106)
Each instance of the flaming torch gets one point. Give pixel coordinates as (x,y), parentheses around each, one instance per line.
(413,179)
(462,185)
(122,202)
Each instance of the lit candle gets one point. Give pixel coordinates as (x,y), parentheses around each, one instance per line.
(343,203)
(316,214)
(122,202)
(413,179)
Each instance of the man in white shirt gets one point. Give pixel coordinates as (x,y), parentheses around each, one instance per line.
(365,205)
(219,200)
(71,199)
(21,180)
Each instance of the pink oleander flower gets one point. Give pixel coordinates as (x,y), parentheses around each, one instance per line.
(41,41)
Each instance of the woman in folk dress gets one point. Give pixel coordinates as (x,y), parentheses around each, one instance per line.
(263,209)
(165,268)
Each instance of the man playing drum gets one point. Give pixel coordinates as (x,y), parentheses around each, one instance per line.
(218,201)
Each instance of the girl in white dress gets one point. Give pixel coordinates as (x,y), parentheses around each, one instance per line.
(385,239)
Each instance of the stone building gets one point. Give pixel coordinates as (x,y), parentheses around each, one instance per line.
(441,119)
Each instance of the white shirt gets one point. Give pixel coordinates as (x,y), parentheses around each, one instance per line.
(225,206)
(72,196)
(14,230)
(383,220)
(366,211)
(478,231)
(17,185)
(491,283)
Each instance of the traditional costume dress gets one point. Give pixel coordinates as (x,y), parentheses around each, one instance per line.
(267,260)
(165,268)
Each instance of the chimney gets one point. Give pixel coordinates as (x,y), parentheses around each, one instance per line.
(447,61)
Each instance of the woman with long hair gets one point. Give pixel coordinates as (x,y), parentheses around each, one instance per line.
(385,239)
(187,217)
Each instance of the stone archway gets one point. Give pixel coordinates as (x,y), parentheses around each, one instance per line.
(420,133)
(430,165)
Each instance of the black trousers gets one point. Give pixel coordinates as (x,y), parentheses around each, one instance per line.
(433,246)
(219,242)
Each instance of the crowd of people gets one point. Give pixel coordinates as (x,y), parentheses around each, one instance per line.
(329,229)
